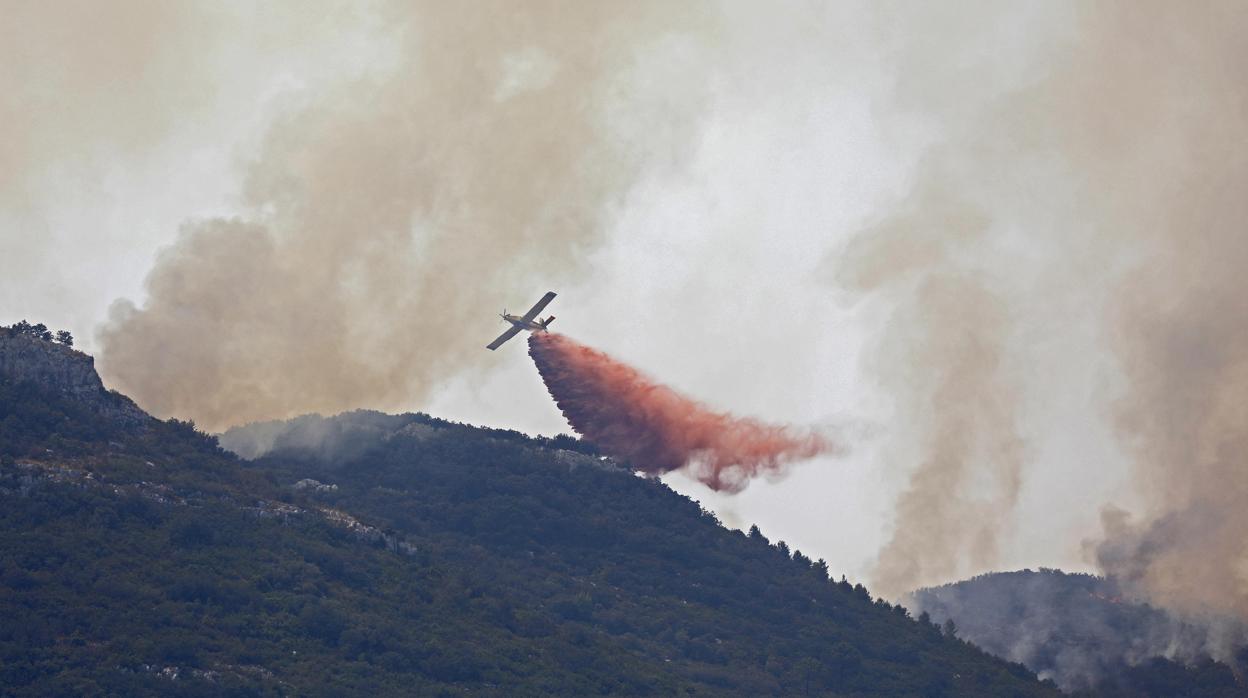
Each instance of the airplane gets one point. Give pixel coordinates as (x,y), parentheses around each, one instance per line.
(528,321)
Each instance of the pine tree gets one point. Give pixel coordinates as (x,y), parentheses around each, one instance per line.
(950,628)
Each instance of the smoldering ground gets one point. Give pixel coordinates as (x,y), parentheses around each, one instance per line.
(1077,629)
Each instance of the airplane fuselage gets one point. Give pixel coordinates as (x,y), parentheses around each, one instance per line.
(530,325)
(529,321)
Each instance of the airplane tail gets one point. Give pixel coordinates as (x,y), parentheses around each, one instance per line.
(547,321)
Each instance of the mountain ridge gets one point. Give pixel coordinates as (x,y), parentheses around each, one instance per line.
(1085,633)
(435,559)
(26,357)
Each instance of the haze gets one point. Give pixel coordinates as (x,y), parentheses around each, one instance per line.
(996,247)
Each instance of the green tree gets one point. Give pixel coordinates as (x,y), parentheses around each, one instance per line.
(821,567)
(756,534)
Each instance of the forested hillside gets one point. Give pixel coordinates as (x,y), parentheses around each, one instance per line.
(403,555)
(1086,634)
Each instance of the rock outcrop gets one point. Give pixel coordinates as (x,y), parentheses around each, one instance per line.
(63,370)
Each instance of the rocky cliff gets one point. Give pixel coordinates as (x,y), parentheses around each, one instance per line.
(66,371)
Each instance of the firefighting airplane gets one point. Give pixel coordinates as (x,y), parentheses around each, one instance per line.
(526,322)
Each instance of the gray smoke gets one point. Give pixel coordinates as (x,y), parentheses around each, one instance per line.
(1077,629)
(946,345)
(327,439)
(386,210)
(1078,188)
(1094,172)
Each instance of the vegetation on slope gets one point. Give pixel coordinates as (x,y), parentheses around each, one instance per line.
(448,561)
(1081,631)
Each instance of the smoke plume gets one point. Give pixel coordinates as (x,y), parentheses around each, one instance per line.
(382,212)
(1078,220)
(946,347)
(656,429)
(1065,247)
(1076,629)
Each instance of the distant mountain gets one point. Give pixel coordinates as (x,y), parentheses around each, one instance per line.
(375,554)
(1079,630)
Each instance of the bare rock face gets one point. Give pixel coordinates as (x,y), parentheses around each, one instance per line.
(63,370)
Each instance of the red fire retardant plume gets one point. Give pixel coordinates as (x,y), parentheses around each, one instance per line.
(656,429)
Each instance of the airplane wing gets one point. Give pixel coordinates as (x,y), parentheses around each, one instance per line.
(546,299)
(511,332)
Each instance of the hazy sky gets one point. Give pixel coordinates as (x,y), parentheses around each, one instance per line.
(902,222)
